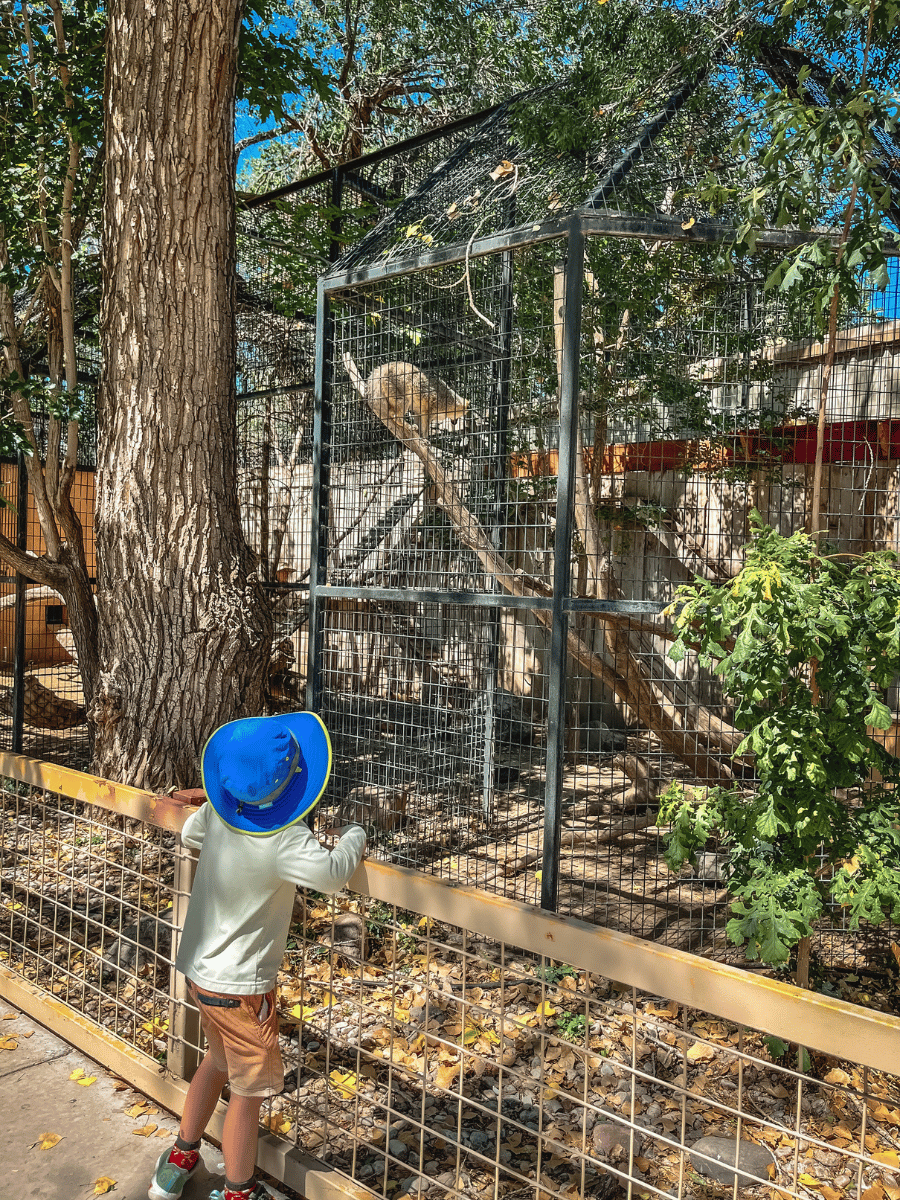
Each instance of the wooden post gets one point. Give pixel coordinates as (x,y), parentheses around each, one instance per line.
(183,1052)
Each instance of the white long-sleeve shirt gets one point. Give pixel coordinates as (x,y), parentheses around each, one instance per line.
(240,909)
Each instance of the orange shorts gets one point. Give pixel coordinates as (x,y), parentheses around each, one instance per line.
(243,1041)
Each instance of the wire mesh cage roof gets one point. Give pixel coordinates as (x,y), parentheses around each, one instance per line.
(650,158)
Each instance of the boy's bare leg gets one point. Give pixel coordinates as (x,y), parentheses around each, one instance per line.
(202,1098)
(240,1137)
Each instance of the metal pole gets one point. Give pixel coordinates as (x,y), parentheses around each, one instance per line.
(18,688)
(320,497)
(183,1050)
(562,549)
(336,200)
(500,469)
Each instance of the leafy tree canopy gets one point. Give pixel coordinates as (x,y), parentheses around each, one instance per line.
(806,643)
(385,71)
(805,93)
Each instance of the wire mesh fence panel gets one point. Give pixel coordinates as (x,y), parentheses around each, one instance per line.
(698,395)
(435,1049)
(443,763)
(433,681)
(699,403)
(38,643)
(88,910)
(427,1059)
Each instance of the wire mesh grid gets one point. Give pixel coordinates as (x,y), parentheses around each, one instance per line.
(437,1061)
(655,154)
(446,357)
(423,1057)
(698,404)
(437,710)
(288,238)
(54,722)
(88,898)
(439,738)
(698,396)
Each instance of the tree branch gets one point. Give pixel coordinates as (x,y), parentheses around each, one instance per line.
(40,570)
(289,125)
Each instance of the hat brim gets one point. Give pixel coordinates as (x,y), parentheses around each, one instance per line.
(300,796)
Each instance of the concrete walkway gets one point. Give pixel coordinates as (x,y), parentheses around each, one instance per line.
(97,1125)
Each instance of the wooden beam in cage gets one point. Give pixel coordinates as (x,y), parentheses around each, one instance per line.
(846,442)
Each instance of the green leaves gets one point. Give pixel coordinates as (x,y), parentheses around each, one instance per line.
(775,909)
(804,643)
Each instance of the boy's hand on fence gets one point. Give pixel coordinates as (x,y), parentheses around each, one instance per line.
(337,830)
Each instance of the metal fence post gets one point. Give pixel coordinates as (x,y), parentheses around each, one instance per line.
(568,415)
(498,459)
(320,495)
(19,656)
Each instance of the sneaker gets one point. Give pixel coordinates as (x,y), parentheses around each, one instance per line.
(168,1179)
(258,1193)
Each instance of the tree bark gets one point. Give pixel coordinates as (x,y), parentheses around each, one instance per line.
(184,624)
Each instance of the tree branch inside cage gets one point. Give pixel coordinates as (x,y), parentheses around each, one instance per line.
(390,397)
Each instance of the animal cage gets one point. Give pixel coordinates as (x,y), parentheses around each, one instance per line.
(541,404)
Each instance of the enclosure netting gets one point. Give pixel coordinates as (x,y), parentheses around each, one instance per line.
(516,430)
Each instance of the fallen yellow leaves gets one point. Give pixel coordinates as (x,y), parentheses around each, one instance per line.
(8,1043)
(669,1011)
(700,1053)
(345,1083)
(46,1141)
(890,1116)
(445,1074)
(103,1185)
(837,1076)
(78,1076)
(809,1181)
(142,1108)
(278,1123)
(144,1131)
(302,1012)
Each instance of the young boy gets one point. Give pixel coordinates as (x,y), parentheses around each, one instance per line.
(262,776)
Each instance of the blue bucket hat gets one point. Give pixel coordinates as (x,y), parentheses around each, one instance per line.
(262,774)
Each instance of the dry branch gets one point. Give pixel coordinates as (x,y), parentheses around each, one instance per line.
(571,839)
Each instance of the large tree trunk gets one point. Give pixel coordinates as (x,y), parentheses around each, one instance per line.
(184,624)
